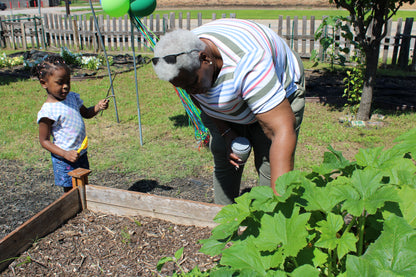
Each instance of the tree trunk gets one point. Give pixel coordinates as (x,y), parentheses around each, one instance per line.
(364,111)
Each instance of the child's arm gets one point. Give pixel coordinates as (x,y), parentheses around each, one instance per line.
(94,110)
(45,127)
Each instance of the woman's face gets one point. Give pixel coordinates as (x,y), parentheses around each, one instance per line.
(196,82)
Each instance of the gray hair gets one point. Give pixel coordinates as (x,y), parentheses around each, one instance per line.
(175,42)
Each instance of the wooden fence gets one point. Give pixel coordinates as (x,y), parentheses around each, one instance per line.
(79,33)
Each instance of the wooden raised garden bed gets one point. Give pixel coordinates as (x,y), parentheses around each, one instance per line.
(104,200)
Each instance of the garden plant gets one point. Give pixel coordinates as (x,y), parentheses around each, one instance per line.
(343,218)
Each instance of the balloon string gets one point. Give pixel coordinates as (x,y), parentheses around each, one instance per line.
(194,114)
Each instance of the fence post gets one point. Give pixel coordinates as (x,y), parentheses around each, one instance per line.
(387,42)
(188,21)
(396,41)
(76,34)
(312,34)
(405,44)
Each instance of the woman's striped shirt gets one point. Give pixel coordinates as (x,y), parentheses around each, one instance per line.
(259,70)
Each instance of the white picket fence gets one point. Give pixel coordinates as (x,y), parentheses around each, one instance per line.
(79,33)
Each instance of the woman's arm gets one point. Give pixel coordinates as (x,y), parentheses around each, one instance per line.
(279,126)
(45,127)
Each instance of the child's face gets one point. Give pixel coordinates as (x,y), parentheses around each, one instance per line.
(58,84)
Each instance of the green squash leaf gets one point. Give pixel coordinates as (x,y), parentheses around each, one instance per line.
(244,256)
(392,254)
(288,233)
(365,192)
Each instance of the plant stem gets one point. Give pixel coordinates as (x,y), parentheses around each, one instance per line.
(331,255)
(361,234)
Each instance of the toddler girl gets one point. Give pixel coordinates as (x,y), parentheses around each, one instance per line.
(61,117)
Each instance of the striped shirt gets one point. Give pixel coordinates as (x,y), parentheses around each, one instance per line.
(68,128)
(259,70)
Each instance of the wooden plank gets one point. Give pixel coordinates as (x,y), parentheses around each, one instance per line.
(41,224)
(312,34)
(24,42)
(295,34)
(188,21)
(288,32)
(280,26)
(397,41)
(386,42)
(92,35)
(405,43)
(131,203)
(304,35)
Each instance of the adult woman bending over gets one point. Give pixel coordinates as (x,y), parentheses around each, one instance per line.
(247,82)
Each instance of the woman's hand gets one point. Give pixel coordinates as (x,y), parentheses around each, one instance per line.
(233,158)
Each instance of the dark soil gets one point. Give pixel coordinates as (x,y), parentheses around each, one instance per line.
(97,244)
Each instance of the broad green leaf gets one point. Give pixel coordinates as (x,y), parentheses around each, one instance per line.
(358,267)
(366,192)
(234,212)
(312,255)
(347,243)
(392,254)
(274,260)
(221,272)
(329,236)
(407,142)
(407,205)
(263,199)
(403,174)
(333,161)
(211,246)
(276,273)
(329,229)
(244,256)
(320,198)
(305,271)
(289,233)
(231,216)
(287,182)
(390,162)
(369,157)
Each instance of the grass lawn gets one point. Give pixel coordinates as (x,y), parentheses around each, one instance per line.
(169,148)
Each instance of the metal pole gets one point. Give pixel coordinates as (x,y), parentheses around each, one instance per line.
(135,75)
(106,58)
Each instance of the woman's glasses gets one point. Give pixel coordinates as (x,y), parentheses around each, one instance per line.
(171,59)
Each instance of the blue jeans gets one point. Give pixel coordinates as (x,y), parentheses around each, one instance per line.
(61,168)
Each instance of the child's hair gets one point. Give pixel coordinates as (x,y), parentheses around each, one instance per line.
(46,67)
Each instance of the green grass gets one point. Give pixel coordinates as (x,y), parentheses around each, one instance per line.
(169,148)
(254,14)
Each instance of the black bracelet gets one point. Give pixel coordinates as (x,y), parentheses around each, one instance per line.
(226,132)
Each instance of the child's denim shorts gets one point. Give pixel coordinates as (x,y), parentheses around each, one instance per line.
(61,168)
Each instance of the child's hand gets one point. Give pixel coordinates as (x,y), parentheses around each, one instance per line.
(102,104)
(71,155)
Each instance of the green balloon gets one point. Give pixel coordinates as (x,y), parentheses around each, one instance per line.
(115,8)
(141,8)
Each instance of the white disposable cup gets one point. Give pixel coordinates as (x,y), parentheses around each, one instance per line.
(241,147)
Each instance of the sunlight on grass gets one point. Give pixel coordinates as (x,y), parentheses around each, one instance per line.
(169,149)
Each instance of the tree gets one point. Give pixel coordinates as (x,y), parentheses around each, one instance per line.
(369,19)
